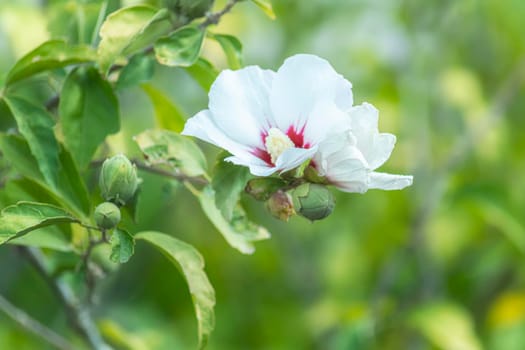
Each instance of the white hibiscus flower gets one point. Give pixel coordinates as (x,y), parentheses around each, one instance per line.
(274,121)
(348,159)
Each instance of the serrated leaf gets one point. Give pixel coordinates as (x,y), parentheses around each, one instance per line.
(122,246)
(232,47)
(50,55)
(129,29)
(139,69)
(191,264)
(162,147)
(203,72)
(228,181)
(36,125)
(167,114)
(180,48)
(19,219)
(239,233)
(88,112)
(266,6)
(71,191)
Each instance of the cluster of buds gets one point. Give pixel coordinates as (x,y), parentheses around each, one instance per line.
(118,184)
(284,199)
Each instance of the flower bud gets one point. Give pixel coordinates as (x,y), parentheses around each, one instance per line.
(263,188)
(107,215)
(118,180)
(280,205)
(312,201)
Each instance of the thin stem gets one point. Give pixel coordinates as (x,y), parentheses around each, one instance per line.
(169,174)
(91,270)
(157,171)
(215,17)
(32,325)
(79,316)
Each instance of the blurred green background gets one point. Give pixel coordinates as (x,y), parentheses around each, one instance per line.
(439,265)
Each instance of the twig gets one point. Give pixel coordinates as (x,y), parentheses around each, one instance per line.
(169,174)
(157,171)
(215,17)
(90,271)
(34,326)
(79,316)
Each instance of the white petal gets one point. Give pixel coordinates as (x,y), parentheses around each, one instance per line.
(375,147)
(351,186)
(349,173)
(383,147)
(335,149)
(364,126)
(323,120)
(300,83)
(255,169)
(202,126)
(343,164)
(385,181)
(239,102)
(293,157)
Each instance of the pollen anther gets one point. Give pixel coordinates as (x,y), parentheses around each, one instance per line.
(276,143)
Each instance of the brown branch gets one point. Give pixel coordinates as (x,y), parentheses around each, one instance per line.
(215,17)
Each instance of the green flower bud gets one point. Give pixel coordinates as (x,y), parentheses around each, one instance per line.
(280,205)
(107,215)
(312,201)
(118,180)
(262,188)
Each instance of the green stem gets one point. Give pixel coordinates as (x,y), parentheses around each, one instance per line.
(78,315)
(32,325)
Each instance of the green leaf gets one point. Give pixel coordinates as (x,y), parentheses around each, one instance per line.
(71,191)
(239,232)
(228,181)
(50,237)
(446,326)
(266,6)
(139,69)
(72,188)
(130,29)
(180,48)
(16,150)
(19,219)
(122,246)
(167,114)
(36,125)
(50,55)
(88,112)
(203,72)
(76,21)
(171,149)
(191,264)
(232,47)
